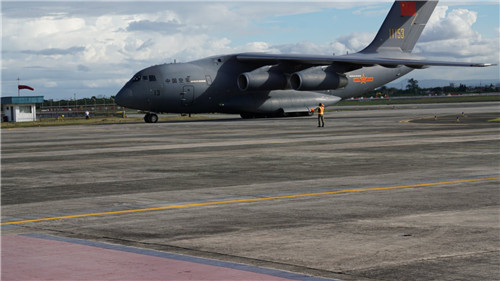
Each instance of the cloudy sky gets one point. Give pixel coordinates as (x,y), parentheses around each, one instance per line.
(63,48)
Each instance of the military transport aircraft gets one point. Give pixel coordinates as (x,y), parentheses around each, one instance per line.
(263,85)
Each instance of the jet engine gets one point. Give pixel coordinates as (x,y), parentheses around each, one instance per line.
(262,78)
(316,79)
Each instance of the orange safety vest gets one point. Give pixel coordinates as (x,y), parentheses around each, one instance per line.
(321,109)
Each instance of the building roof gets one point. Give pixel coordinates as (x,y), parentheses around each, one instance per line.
(22,100)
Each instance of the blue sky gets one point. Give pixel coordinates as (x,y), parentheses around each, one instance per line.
(63,48)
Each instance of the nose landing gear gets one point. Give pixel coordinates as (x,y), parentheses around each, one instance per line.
(150,118)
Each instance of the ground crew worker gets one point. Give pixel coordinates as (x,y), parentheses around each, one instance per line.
(321,118)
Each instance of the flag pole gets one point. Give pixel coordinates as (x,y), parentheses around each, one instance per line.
(18,90)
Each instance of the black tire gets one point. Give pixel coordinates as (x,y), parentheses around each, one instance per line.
(147,118)
(247,116)
(153,118)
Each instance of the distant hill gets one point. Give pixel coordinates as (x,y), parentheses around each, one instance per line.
(431,83)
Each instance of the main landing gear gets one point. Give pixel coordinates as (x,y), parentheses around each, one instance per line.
(150,118)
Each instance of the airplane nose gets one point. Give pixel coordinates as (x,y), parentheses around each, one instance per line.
(124,97)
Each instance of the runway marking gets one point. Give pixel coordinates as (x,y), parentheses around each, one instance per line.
(250,200)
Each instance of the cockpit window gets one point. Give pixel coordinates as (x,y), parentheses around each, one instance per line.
(138,77)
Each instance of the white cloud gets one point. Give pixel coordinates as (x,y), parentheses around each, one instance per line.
(356,41)
(450,36)
(256,47)
(456,24)
(49,84)
(345,44)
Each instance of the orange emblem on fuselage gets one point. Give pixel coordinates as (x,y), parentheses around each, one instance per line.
(363,79)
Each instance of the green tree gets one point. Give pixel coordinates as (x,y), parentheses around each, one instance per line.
(462,88)
(412,87)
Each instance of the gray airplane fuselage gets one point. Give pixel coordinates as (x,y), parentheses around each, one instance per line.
(211,85)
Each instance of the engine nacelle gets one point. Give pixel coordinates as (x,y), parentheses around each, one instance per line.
(316,79)
(262,79)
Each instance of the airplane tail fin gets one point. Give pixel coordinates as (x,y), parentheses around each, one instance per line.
(402,26)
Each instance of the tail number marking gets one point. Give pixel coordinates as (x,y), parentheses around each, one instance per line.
(397,33)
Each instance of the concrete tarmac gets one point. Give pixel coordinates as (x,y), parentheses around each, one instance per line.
(377,194)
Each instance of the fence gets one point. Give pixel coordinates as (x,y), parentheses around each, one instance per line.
(68,110)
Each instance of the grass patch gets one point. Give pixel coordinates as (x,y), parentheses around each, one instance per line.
(46,122)
(495,120)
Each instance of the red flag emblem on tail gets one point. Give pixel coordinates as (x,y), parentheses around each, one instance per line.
(20,87)
(408,8)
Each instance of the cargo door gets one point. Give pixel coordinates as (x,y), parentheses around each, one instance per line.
(187,96)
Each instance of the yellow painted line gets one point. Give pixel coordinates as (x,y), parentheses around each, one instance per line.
(250,200)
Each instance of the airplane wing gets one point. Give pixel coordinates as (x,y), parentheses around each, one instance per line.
(354,61)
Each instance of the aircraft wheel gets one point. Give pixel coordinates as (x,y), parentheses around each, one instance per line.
(153,118)
(282,113)
(150,118)
(247,116)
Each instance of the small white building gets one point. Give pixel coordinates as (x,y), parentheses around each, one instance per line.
(20,109)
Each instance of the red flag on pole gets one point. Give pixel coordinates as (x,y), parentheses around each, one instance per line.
(408,8)
(20,87)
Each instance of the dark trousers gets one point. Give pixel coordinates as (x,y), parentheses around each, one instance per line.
(321,120)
